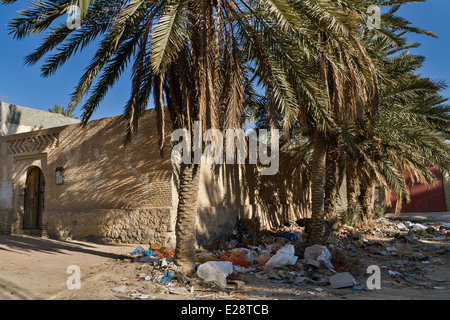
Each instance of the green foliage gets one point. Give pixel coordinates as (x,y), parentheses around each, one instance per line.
(59,109)
(351,215)
(379,211)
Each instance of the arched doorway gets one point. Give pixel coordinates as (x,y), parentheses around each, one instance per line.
(34,199)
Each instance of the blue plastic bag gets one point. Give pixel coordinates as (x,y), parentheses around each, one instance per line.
(138,250)
(166,277)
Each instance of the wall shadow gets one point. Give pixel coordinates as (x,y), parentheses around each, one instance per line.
(23,244)
(246,195)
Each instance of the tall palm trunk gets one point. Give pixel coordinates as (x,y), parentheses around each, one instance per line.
(352,181)
(367,201)
(331,217)
(203,107)
(317,234)
(187,217)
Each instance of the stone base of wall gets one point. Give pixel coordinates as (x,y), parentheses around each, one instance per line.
(5,224)
(149,225)
(157,225)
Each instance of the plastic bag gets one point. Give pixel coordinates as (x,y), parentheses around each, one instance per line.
(263,258)
(239,257)
(401,226)
(137,251)
(284,256)
(418,227)
(321,254)
(166,277)
(247,254)
(215,271)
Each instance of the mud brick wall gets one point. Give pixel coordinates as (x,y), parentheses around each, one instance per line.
(116,192)
(111,191)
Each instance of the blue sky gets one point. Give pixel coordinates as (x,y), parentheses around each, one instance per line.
(22,85)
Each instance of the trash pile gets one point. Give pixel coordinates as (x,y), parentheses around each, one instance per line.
(281,258)
(387,225)
(156,267)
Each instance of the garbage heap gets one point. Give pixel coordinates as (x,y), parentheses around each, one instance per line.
(280,257)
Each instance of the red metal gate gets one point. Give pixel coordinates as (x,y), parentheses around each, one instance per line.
(423,198)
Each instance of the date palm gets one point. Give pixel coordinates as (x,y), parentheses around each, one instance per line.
(410,130)
(59,109)
(198,61)
(352,96)
(410,134)
(381,44)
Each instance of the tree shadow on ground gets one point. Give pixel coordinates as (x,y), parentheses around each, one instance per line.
(23,244)
(9,291)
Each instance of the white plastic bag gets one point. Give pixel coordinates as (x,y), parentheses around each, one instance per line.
(215,271)
(401,226)
(418,227)
(284,256)
(321,254)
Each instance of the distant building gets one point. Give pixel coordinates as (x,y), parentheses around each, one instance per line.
(16,119)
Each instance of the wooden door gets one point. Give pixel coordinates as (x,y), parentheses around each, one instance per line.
(34,199)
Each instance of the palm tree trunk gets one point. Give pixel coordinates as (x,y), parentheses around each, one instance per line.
(187,218)
(331,217)
(317,234)
(367,201)
(352,184)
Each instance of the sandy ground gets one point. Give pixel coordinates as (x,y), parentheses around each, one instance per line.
(36,268)
(118,280)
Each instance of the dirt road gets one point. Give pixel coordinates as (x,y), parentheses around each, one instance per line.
(36,268)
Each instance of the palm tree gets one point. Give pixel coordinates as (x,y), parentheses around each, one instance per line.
(351,90)
(350,136)
(410,134)
(411,127)
(59,109)
(199,58)
(347,86)
(352,94)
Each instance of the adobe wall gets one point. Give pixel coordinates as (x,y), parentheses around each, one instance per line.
(16,119)
(231,192)
(6,189)
(111,192)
